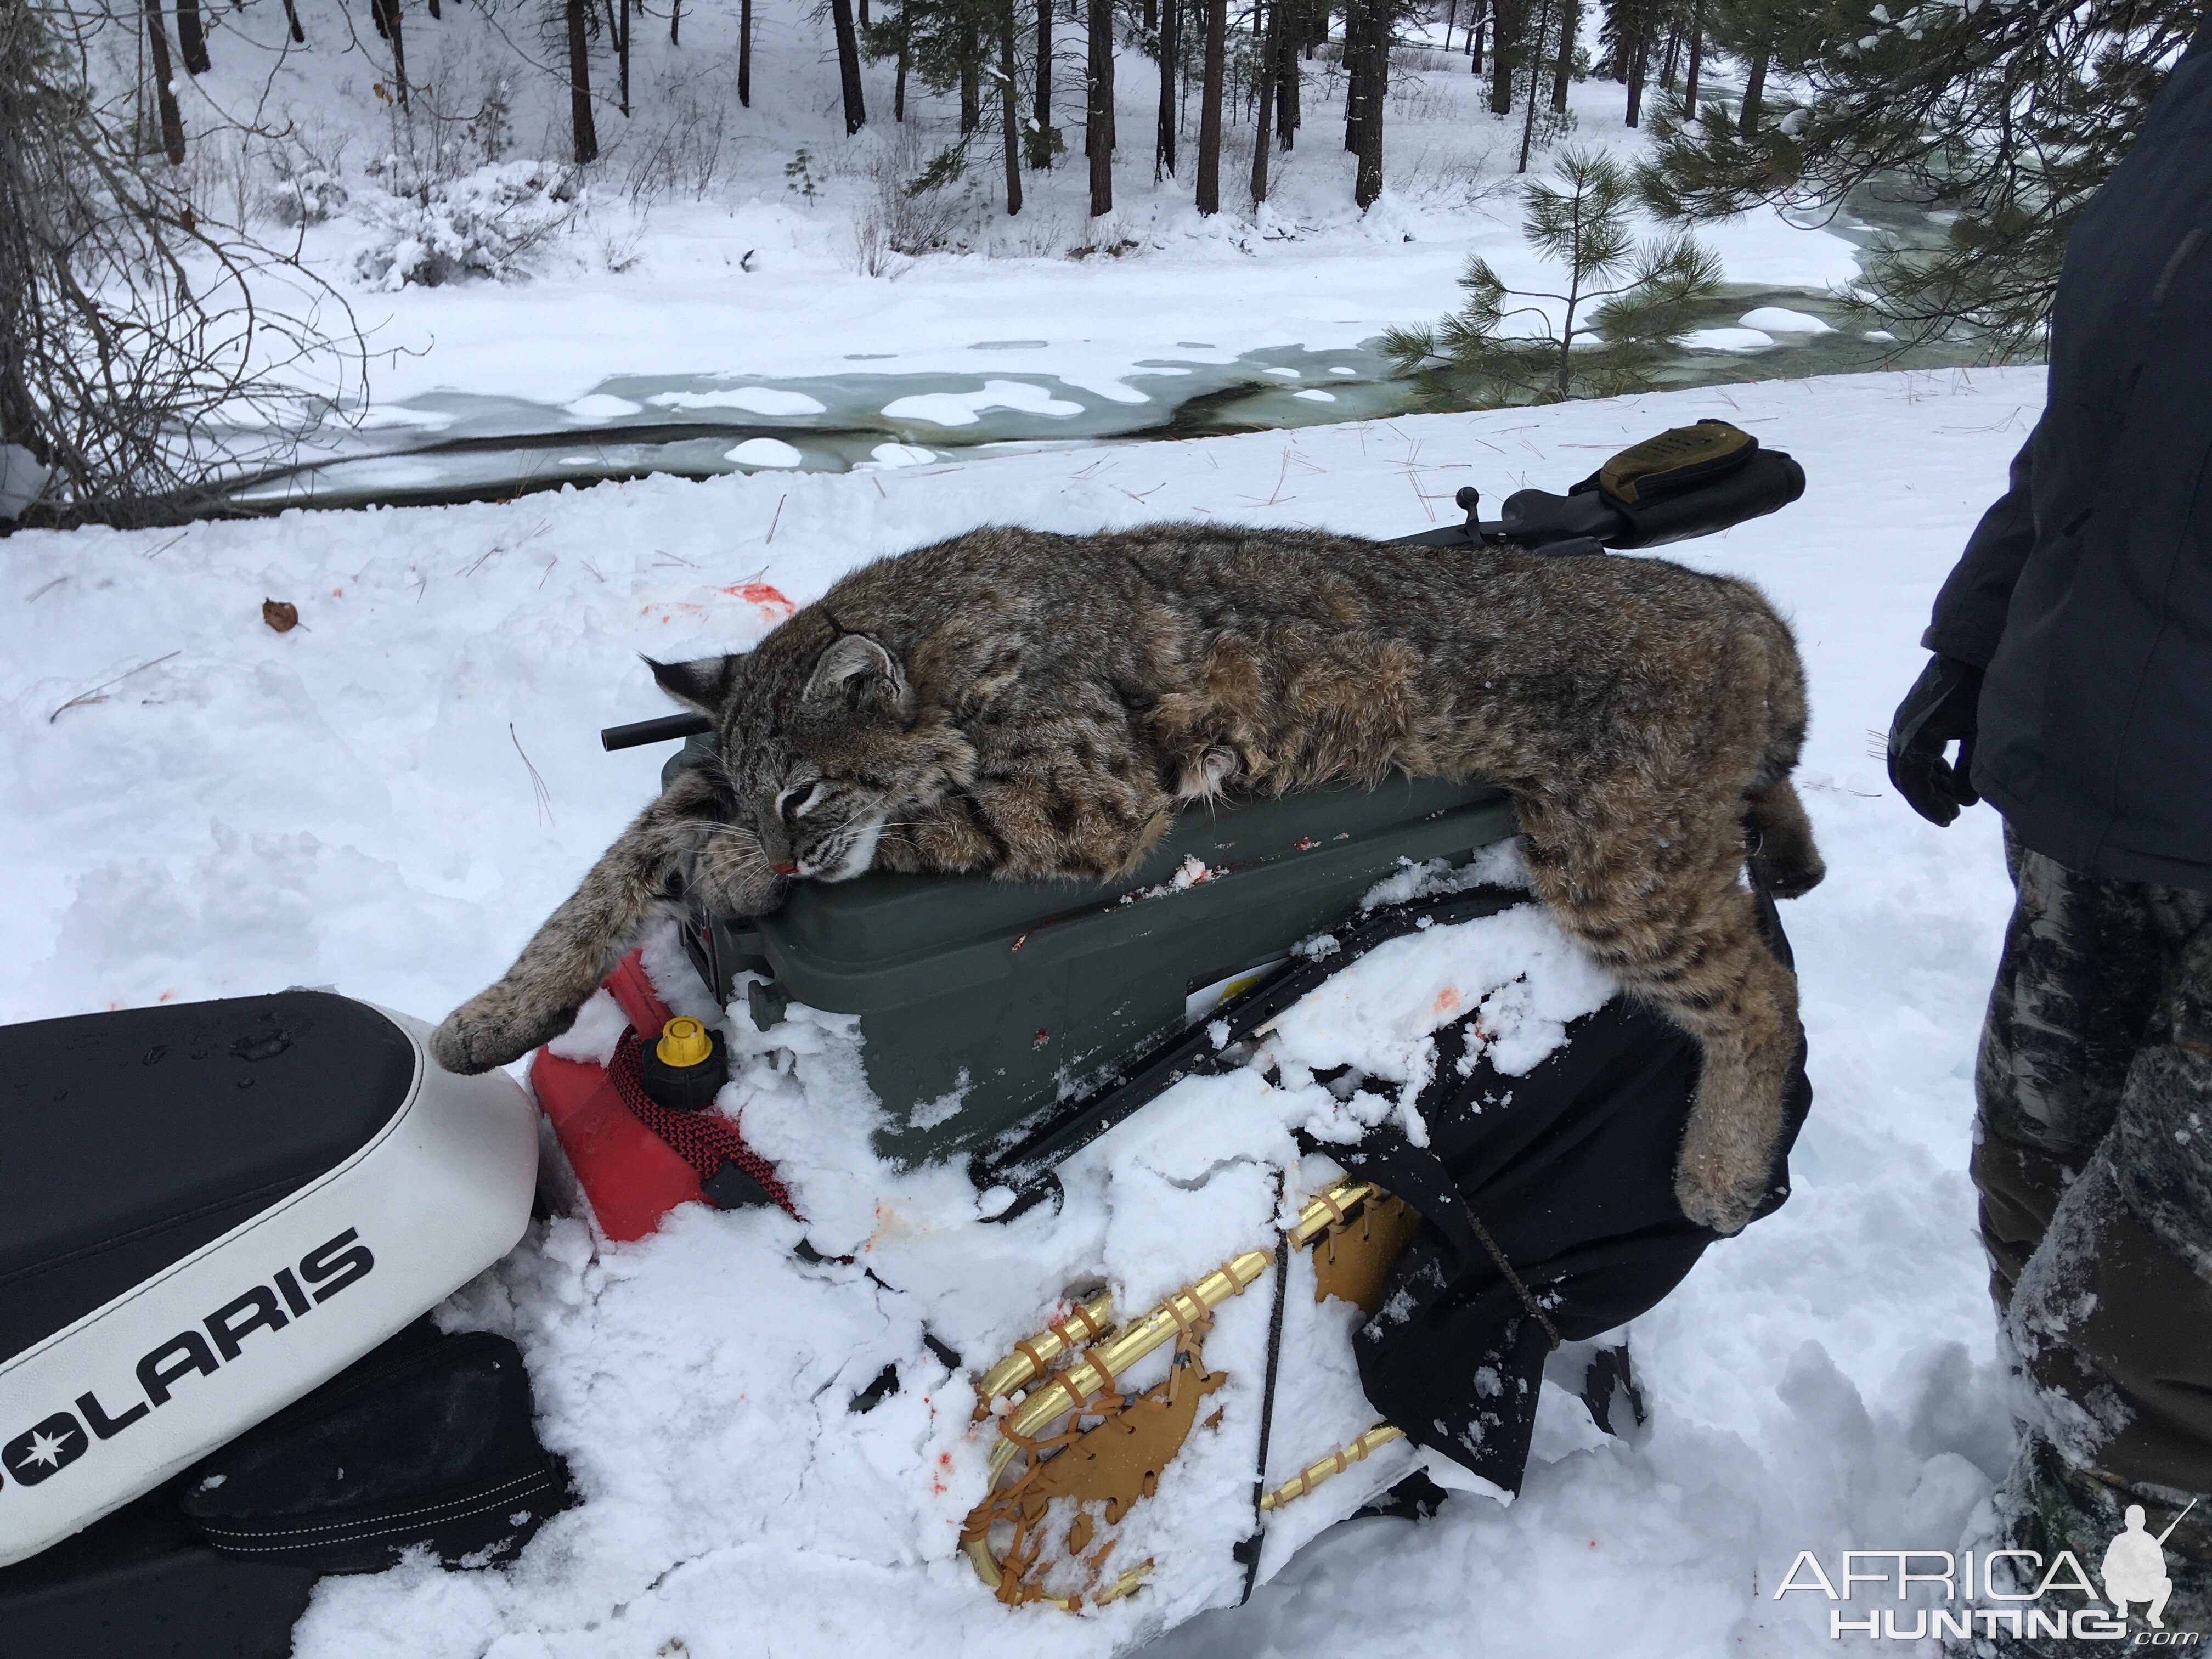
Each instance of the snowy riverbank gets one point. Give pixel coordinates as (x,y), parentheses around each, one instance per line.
(390,797)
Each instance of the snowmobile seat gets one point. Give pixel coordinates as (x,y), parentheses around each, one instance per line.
(206,1211)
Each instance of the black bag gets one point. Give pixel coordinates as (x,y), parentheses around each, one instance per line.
(1570,1171)
(427,1441)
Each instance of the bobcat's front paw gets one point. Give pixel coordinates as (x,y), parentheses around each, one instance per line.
(492,1028)
(1721,1179)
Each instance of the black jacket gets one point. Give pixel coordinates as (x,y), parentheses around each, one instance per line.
(2086,590)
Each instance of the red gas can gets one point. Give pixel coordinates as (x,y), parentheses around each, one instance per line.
(632,1176)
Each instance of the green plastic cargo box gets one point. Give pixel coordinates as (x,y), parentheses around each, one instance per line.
(985,1004)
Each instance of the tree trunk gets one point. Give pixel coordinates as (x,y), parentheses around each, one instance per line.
(580,87)
(1697,58)
(1209,106)
(1668,59)
(1098,107)
(864,14)
(292,20)
(971,81)
(1535,70)
(1009,118)
(1505,52)
(1640,63)
(1367,182)
(1476,30)
(1263,111)
(389,13)
(1286,74)
(618,38)
(1570,23)
(191,38)
(1040,153)
(745,53)
(1355,78)
(675,22)
(905,56)
(849,65)
(1163,138)
(165,91)
(1754,90)
(621,58)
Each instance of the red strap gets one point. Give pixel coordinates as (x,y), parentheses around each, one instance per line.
(704,1139)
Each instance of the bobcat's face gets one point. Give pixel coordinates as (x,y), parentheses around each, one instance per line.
(822,768)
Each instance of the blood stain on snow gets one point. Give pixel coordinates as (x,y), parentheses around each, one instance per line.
(1447,1002)
(771,601)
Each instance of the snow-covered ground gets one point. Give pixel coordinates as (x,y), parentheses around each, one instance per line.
(389,797)
(721,240)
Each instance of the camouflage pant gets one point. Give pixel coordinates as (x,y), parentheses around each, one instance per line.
(2093,1160)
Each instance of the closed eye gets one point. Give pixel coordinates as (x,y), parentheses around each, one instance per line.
(795,802)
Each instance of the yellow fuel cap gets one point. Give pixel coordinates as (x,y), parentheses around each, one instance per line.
(683,1042)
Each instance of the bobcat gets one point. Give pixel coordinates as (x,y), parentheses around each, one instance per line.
(1035,706)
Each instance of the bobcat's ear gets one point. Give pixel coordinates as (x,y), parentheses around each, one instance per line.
(857,667)
(705,684)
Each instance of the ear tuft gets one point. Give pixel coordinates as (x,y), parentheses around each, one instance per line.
(856,665)
(704,684)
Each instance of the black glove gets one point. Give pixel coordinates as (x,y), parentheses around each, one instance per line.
(1939,708)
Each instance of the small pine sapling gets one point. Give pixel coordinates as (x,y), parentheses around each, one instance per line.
(1626,303)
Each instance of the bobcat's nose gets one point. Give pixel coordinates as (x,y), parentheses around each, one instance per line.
(785,869)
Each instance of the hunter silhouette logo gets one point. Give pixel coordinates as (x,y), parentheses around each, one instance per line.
(2135,1567)
(2013,1596)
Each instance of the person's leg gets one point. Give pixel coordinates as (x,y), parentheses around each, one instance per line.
(2095,1170)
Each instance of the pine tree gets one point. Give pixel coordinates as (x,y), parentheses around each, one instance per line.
(1098,124)
(1010,118)
(2001,117)
(191,37)
(1209,106)
(165,91)
(849,66)
(1170,56)
(1624,305)
(583,130)
(745,53)
(1511,18)
(1263,115)
(1041,130)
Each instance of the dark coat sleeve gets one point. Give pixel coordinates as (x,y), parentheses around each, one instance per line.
(1970,611)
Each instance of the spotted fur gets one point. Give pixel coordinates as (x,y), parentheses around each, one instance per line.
(1035,706)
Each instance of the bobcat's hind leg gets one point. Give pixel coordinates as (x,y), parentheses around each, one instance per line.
(1787,859)
(1654,896)
(684,833)
(1749,1029)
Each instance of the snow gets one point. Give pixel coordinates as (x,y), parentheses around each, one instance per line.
(390,797)
(753,399)
(901,455)
(1727,339)
(1781,319)
(962,408)
(765,451)
(693,251)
